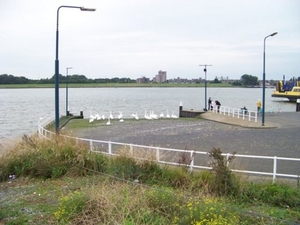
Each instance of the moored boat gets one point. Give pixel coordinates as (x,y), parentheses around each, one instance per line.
(288,89)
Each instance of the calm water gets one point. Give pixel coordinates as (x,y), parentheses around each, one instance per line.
(20,109)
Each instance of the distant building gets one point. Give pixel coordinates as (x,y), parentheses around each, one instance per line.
(143,80)
(161,77)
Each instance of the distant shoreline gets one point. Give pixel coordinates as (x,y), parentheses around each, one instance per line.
(119,85)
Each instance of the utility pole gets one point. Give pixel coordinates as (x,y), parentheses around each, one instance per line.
(205,70)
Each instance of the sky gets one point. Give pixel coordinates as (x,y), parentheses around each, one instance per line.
(137,38)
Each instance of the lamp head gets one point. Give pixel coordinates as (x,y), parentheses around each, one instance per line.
(87,9)
(274,34)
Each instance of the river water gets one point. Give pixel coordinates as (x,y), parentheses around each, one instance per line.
(21,109)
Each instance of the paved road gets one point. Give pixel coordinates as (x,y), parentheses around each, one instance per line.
(215,131)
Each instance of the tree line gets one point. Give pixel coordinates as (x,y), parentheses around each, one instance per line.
(10,79)
(245,80)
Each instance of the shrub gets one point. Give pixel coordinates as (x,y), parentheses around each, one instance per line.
(202,181)
(36,157)
(176,177)
(225,183)
(281,195)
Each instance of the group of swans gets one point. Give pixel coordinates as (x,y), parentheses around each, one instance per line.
(152,115)
(110,117)
(147,116)
(102,117)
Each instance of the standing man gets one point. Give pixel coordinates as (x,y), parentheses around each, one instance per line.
(218,104)
(258,105)
(209,104)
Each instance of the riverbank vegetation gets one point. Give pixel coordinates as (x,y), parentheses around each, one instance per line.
(62,182)
(117,85)
(80,81)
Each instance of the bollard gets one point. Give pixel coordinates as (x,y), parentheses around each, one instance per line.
(180,108)
(81,114)
(298,105)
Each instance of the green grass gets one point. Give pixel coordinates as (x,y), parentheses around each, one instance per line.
(62,182)
(115,85)
(84,123)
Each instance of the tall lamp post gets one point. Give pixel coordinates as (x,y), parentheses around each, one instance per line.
(57,64)
(67,92)
(264,79)
(205,70)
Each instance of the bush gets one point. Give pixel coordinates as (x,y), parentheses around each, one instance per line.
(35,157)
(225,183)
(281,195)
(176,177)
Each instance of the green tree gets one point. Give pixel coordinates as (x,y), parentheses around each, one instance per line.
(10,79)
(216,81)
(249,80)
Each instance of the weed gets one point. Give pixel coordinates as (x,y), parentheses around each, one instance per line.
(224,181)
(281,195)
(177,177)
(179,196)
(205,211)
(69,206)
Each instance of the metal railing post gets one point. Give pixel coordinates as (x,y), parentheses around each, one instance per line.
(274,169)
(227,158)
(192,161)
(157,155)
(131,149)
(91,145)
(109,147)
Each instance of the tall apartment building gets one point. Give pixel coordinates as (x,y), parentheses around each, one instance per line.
(161,77)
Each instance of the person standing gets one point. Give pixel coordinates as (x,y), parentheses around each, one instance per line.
(258,105)
(218,105)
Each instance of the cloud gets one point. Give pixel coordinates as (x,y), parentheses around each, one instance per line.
(134,38)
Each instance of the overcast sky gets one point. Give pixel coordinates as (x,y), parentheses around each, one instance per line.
(136,38)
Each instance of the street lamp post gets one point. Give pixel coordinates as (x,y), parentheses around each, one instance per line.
(264,79)
(67,92)
(205,70)
(57,64)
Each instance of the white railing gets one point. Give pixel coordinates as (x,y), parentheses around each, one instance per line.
(236,112)
(268,165)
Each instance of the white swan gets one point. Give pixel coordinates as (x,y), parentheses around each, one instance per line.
(108,122)
(135,116)
(111,115)
(147,117)
(103,117)
(120,115)
(173,115)
(168,115)
(97,116)
(153,115)
(121,120)
(161,115)
(92,117)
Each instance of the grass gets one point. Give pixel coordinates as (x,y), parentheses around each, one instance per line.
(77,124)
(62,182)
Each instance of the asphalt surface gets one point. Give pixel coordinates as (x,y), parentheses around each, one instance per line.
(278,137)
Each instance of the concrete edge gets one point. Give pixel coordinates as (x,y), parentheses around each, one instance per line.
(236,122)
